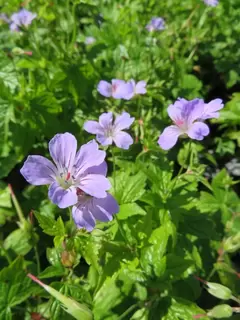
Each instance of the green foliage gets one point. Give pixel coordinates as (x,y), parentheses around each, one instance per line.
(178,210)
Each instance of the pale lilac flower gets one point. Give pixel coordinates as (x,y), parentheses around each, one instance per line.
(90,40)
(118,89)
(70,172)
(23,18)
(89,209)
(187,116)
(211,3)
(135,88)
(108,131)
(156,24)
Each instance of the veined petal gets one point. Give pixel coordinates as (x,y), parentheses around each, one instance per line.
(38,170)
(123,140)
(193,110)
(106,120)
(92,127)
(104,88)
(95,185)
(128,90)
(62,148)
(83,217)
(88,156)
(123,121)
(175,110)
(101,169)
(169,137)
(104,209)
(198,131)
(63,198)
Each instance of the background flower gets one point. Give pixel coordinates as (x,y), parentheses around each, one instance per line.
(156,24)
(211,3)
(23,18)
(108,131)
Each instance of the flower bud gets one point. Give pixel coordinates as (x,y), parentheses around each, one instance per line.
(221,311)
(17,51)
(219,291)
(68,258)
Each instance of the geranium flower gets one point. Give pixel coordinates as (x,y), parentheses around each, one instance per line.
(187,116)
(70,172)
(118,89)
(89,209)
(23,18)
(135,88)
(108,131)
(156,23)
(90,40)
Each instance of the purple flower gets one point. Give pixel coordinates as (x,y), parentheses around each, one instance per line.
(109,131)
(118,89)
(70,172)
(23,18)
(187,116)
(135,88)
(156,24)
(90,40)
(211,3)
(89,209)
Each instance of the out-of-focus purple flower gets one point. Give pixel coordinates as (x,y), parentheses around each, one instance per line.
(156,24)
(108,131)
(89,209)
(118,89)
(211,3)
(135,88)
(187,116)
(23,18)
(90,40)
(4,17)
(70,172)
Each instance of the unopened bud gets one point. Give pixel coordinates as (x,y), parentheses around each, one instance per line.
(221,311)
(219,291)
(68,258)
(17,51)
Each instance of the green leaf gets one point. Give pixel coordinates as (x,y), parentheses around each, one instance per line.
(20,241)
(185,310)
(176,266)
(50,226)
(129,210)
(53,271)
(129,188)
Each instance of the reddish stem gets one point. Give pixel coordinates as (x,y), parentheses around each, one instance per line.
(11,190)
(35,279)
(201,280)
(198,316)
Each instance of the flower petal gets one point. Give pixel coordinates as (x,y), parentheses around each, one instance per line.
(95,185)
(104,140)
(123,121)
(198,131)
(104,209)
(104,88)
(63,149)
(38,170)
(119,88)
(128,90)
(101,169)
(88,156)
(63,198)
(83,217)
(92,127)
(123,140)
(140,87)
(169,137)
(211,108)
(106,120)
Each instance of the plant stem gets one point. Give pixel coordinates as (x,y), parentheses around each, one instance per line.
(37,259)
(125,313)
(17,206)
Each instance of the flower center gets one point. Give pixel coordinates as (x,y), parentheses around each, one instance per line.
(66,179)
